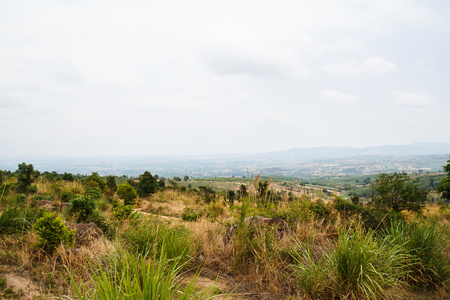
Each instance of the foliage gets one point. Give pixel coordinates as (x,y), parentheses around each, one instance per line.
(312,273)
(156,238)
(231,196)
(82,208)
(147,184)
(242,191)
(16,219)
(94,180)
(111,184)
(397,192)
(207,193)
(126,192)
(25,177)
(134,277)
(93,192)
(68,177)
(121,211)
(52,232)
(191,214)
(444,185)
(364,267)
(427,243)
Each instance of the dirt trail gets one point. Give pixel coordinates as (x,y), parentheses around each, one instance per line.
(159,216)
(22,285)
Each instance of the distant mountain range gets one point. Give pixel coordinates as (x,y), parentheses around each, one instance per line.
(304,154)
(318,161)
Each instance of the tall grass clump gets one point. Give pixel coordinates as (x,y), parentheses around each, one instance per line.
(365,267)
(311,271)
(150,238)
(127,276)
(427,243)
(17,219)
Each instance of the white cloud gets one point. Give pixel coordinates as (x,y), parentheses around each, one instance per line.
(412,99)
(375,65)
(338,97)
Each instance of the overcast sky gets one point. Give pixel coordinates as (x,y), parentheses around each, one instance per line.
(94,77)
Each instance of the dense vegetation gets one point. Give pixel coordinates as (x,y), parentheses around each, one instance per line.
(381,237)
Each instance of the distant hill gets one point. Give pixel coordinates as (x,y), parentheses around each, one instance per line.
(319,161)
(320,153)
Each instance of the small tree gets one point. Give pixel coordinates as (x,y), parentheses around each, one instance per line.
(25,177)
(444,185)
(52,232)
(68,177)
(397,192)
(111,184)
(147,184)
(94,180)
(126,192)
(186,178)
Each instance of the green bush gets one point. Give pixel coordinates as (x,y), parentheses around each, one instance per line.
(82,208)
(191,214)
(52,232)
(126,192)
(93,192)
(121,212)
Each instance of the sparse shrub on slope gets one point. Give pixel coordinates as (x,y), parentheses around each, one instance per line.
(52,232)
(126,192)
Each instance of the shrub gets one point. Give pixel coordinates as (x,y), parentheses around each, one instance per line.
(52,232)
(191,214)
(94,180)
(82,208)
(121,211)
(93,193)
(126,192)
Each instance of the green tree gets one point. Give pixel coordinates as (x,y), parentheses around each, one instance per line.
(2,177)
(126,192)
(24,177)
(397,192)
(147,185)
(68,177)
(186,178)
(444,185)
(94,180)
(111,184)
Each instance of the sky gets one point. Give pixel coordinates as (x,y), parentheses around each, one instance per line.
(138,78)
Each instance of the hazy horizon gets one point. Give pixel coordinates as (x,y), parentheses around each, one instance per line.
(115,78)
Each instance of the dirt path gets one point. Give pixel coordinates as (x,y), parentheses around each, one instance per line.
(22,286)
(159,216)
